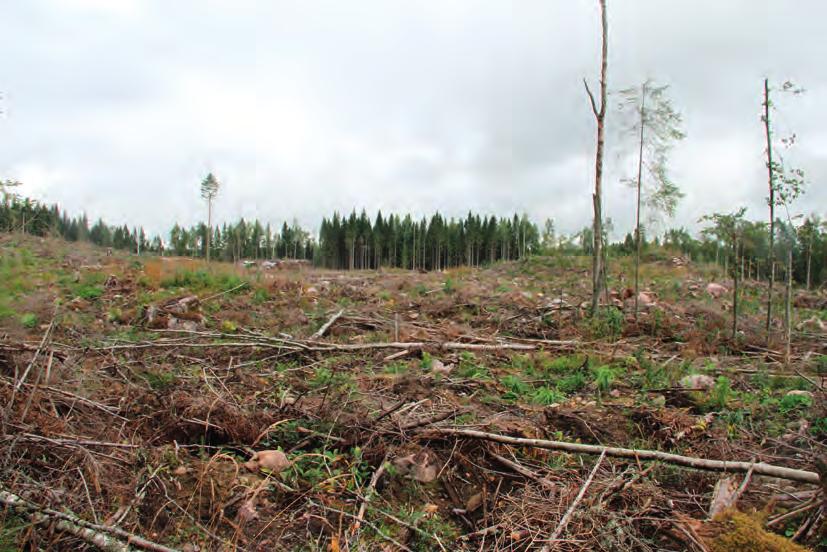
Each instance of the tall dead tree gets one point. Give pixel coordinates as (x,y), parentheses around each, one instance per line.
(598,271)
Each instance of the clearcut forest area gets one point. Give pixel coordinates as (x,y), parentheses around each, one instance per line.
(432,276)
(171,404)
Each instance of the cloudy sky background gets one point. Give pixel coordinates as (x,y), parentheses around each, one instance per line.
(120,107)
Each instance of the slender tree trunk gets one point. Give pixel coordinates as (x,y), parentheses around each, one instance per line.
(809,259)
(771,177)
(735,293)
(788,312)
(600,116)
(639,185)
(209,227)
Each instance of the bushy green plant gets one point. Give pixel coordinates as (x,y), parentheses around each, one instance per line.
(516,387)
(260,296)
(427,361)
(90,293)
(563,364)
(607,322)
(469,368)
(572,383)
(604,377)
(547,395)
(29,320)
(792,403)
(721,393)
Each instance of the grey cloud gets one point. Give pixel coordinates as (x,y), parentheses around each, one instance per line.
(306,107)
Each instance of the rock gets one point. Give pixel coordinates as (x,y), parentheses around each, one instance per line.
(659,401)
(716,290)
(180,470)
(615,393)
(438,367)
(697,381)
(813,324)
(274,460)
(247,511)
(420,466)
(800,393)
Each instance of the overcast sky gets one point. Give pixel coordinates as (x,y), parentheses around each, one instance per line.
(120,107)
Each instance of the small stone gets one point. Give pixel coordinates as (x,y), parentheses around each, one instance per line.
(697,381)
(800,393)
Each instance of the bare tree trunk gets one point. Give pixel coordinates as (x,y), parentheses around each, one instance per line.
(771,175)
(600,116)
(809,259)
(639,183)
(209,227)
(735,294)
(788,313)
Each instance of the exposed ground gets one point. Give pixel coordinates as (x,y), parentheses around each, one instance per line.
(149,395)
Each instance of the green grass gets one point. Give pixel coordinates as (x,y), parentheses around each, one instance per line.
(203,280)
(29,320)
(794,403)
(547,395)
(470,369)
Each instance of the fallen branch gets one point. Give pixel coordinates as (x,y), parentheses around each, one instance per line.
(105,538)
(552,542)
(360,516)
(759,468)
(525,472)
(321,331)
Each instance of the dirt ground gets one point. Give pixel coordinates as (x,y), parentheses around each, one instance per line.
(226,408)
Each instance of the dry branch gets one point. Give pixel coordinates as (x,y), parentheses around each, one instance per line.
(564,521)
(759,468)
(105,538)
(323,330)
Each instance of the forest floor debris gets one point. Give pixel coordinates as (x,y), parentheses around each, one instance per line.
(188,407)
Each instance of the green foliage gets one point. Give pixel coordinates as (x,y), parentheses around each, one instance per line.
(794,403)
(160,380)
(323,376)
(90,293)
(720,394)
(547,395)
(396,368)
(607,322)
(29,320)
(604,377)
(572,383)
(469,368)
(202,280)
(427,361)
(449,286)
(562,364)
(260,296)
(517,388)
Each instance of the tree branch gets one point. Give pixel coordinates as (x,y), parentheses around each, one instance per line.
(759,468)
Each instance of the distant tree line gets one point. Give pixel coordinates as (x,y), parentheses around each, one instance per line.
(356,242)
(435,243)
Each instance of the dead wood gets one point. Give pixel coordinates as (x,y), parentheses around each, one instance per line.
(561,526)
(106,538)
(326,326)
(759,468)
